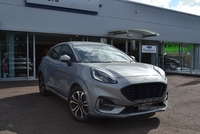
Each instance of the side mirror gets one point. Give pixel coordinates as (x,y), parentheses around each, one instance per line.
(66,58)
(133,58)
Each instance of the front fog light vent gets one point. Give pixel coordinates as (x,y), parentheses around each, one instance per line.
(105,104)
(166,97)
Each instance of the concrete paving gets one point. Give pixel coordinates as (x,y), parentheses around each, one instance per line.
(24,111)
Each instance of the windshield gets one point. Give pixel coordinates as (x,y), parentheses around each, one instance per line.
(101,54)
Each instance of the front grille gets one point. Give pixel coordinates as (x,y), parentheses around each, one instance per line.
(143,91)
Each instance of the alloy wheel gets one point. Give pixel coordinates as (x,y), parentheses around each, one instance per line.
(79,104)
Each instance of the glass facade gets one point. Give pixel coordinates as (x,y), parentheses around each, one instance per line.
(130,47)
(20,53)
(181,57)
(16,56)
(133,49)
(31,55)
(13,55)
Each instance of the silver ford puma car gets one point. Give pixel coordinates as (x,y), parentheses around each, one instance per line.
(98,80)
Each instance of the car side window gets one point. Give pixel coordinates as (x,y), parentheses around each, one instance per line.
(67,50)
(54,53)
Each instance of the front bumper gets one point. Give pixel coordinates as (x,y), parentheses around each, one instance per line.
(107,100)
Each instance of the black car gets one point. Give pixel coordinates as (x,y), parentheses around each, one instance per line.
(169,62)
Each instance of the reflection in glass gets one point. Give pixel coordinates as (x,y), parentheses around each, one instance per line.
(179,57)
(101,54)
(13,55)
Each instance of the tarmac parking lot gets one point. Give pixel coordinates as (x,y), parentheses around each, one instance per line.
(24,111)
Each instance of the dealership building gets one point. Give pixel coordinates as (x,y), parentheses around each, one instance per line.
(158,36)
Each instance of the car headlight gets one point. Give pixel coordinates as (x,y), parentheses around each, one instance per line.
(160,71)
(103,76)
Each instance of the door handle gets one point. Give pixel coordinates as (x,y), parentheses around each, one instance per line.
(57,66)
(46,62)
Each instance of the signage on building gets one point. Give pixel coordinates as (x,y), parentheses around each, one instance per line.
(148,49)
(176,47)
(78,6)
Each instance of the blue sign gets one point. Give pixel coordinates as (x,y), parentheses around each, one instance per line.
(148,49)
(77,6)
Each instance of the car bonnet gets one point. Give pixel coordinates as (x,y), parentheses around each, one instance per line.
(128,69)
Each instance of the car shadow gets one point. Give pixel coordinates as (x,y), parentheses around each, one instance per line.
(190,83)
(13,84)
(32,113)
(130,125)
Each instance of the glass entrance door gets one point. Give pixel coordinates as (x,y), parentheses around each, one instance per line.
(120,44)
(31,56)
(16,56)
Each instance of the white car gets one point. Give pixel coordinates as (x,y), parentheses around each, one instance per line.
(98,80)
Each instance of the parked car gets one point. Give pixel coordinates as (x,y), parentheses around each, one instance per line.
(169,62)
(17,62)
(98,80)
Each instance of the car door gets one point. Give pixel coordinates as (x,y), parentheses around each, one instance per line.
(64,73)
(50,64)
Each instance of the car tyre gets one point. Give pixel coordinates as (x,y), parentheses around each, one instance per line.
(78,105)
(41,83)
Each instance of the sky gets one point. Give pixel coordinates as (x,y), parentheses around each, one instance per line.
(187,6)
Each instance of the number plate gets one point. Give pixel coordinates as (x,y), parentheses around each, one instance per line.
(146,102)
